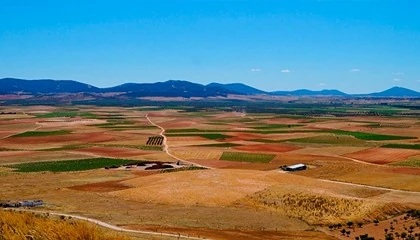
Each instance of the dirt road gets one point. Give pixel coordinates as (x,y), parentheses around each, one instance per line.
(109,226)
(166,146)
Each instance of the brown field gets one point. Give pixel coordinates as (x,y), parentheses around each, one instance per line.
(111,152)
(9,157)
(383,155)
(108,186)
(329,151)
(235,200)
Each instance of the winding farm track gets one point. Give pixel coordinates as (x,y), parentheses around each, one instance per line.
(110,226)
(370,186)
(166,146)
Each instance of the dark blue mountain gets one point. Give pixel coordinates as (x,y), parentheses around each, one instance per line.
(396,92)
(238,88)
(306,92)
(13,85)
(171,88)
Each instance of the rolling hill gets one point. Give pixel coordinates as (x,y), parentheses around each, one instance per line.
(172,88)
(13,85)
(238,88)
(396,91)
(306,92)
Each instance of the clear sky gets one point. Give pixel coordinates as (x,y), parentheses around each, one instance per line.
(353,46)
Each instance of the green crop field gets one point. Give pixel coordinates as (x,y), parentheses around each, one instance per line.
(329,139)
(141,147)
(67,114)
(211,136)
(276,126)
(247,157)
(70,165)
(405,146)
(411,162)
(113,123)
(42,133)
(368,136)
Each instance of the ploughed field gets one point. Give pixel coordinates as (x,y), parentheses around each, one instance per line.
(360,169)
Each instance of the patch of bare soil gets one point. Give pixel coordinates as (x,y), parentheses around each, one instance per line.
(108,186)
(404,170)
(383,155)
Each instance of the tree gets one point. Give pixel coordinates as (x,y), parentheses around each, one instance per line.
(376,221)
(389,237)
(412,228)
(348,233)
(360,225)
(403,235)
(349,224)
(343,231)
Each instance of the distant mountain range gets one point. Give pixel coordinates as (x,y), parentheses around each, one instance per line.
(173,88)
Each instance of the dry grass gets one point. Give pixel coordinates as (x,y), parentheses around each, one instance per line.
(316,208)
(201,154)
(20,225)
(329,151)
(206,187)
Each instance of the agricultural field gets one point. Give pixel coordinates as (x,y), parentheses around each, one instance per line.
(247,157)
(360,168)
(70,165)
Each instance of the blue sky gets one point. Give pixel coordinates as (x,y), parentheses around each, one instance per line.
(353,46)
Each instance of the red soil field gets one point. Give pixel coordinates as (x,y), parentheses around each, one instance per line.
(404,170)
(112,151)
(179,124)
(267,148)
(238,136)
(383,155)
(6,154)
(186,138)
(93,137)
(100,187)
